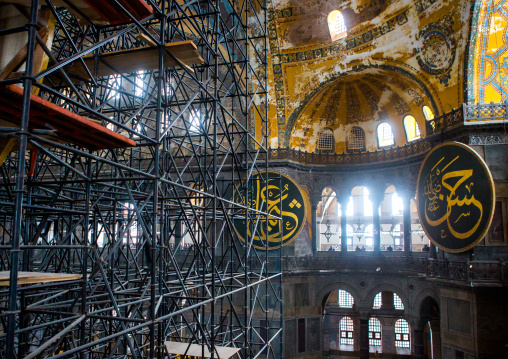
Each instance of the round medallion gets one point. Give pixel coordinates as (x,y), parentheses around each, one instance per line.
(455,197)
(438,51)
(280,197)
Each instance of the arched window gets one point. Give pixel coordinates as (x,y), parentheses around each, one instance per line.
(336,25)
(374,332)
(397,302)
(396,234)
(355,140)
(411,127)
(402,334)
(346,331)
(346,300)
(326,140)
(369,235)
(367,203)
(397,205)
(350,207)
(350,235)
(429,116)
(385,135)
(427,113)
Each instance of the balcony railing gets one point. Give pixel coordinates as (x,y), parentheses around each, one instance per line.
(391,154)
(466,115)
(468,272)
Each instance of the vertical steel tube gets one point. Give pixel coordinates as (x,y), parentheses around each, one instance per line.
(20,181)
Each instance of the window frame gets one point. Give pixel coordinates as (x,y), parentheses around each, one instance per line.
(402,338)
(336,24)
(348,299)
(328,132)
(418,133)
(379,140)
(346,331)
(374,334)
(348,141)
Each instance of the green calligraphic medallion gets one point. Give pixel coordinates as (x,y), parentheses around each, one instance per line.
(283,196)
(455,197)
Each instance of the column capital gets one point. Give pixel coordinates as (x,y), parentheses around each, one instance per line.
(364,314)
(343,199)
(406,193)
(314,200)
(376,198)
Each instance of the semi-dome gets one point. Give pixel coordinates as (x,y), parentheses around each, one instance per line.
(362,100)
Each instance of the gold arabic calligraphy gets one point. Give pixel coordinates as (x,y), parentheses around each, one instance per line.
(270,195)
(440,190)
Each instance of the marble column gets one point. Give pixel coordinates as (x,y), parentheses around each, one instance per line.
(418,344)
(406,200)
(376,220)
(364,338)
(343,222)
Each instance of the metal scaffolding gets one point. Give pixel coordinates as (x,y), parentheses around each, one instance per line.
(147,230)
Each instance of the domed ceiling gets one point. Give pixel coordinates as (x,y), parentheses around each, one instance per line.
(360,98)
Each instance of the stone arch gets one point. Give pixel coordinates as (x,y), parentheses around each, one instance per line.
(420,297)
(322,295)
(389,288)
(383,65)
(329,185)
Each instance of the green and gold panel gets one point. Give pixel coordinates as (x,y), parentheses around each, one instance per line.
(455,197)
(284,198)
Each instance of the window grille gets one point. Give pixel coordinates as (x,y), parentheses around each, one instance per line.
(356,139)
(385,135)
(402,334)
(336,25)
(397,302)
(377,301)
(346,300)
(326,140)
(374,332)
(346,331)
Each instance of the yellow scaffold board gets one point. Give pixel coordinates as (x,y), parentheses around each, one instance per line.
(196,350)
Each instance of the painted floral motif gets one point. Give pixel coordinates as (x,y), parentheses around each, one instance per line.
(354,114)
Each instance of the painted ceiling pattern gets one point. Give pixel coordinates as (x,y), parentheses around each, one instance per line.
(361,97)
(330,112)
(421,44)
(357,41)
(488,61)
